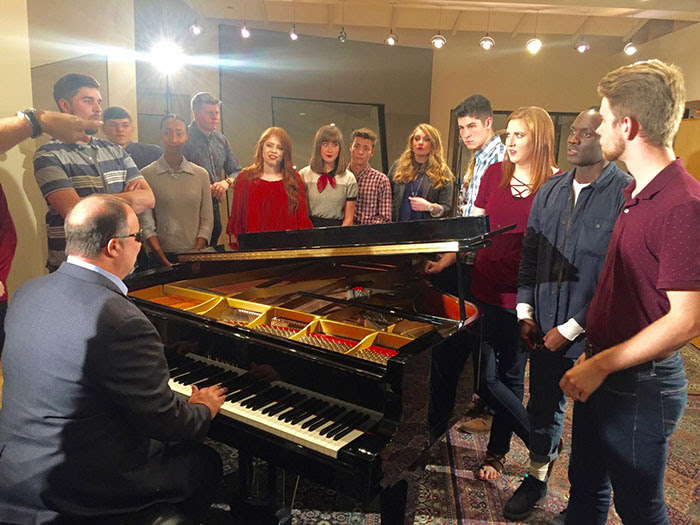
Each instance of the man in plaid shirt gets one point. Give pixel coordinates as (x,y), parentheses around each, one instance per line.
(373,188)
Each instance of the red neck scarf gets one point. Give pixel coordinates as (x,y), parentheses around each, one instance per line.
(324,180)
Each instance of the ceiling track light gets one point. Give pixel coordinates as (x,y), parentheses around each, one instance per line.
(293,33)
(582,45)
(196,29)
(391,39)
(487,42)
(534,44)
(245,33)
(438,41)
(342,36)
(630,49)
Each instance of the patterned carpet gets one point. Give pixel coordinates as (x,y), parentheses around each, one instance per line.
(449,494)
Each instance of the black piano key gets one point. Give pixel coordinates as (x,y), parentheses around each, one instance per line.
(349,424)
(281,402)
(239,382)
(288,416)
(174,360)
(298,396)
(348,429)
(217,379)
(197,375)
(213,376)
(311,409)
(330,408)
(180,370)
(247,391)
(263,398)
(339,421)
(337,412)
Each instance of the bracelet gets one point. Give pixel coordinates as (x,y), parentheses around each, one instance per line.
(30,115)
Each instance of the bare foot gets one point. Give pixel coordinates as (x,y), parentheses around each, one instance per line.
(491,468)
(488,473)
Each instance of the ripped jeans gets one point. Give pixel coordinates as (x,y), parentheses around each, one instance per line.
(620,439)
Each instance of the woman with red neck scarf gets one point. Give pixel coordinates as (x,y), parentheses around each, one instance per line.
(331,189)
(269,194)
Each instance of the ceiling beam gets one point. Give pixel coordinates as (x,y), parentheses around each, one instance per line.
(454,26)
(635,29)
(516,29)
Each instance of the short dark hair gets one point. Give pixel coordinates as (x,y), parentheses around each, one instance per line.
(203,99)
(172,116)
(67,86)
(87,236)
(364,133)
(114,113)
(477,106)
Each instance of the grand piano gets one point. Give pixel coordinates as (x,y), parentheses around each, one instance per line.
(323,340)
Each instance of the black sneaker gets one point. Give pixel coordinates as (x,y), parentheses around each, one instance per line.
(521,504)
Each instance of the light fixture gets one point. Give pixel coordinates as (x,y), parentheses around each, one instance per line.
(391,39)
(630,49)
(167,57)
(342,36)
(487,42)
(245,33)
(582,45)
(438,41)
(196,29)
(293,33)
(534,44)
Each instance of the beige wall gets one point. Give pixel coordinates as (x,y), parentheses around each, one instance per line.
(16,173)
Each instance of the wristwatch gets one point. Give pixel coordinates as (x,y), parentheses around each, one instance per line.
(30,115)
(430,209)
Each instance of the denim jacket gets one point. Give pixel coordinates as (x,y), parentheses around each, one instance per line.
(565,246)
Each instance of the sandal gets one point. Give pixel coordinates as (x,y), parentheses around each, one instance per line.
(493,461)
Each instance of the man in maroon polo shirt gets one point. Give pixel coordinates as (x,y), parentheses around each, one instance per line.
(630,385)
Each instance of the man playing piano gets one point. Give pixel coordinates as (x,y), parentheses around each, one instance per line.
(89,427)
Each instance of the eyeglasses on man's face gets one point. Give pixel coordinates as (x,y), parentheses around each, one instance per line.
(138,236)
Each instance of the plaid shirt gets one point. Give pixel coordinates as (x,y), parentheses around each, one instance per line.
(212,153)
(493,151)
(373,197)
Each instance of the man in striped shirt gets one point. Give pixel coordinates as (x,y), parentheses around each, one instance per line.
(373,188)
(68,172)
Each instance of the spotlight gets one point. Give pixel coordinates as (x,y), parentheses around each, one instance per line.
(534,45)
(630,49)
(487,42)
(342,36)
(438,41)
(391,38)
(167,57)
(582,45)
(293,33)
(196,29)
(245,33)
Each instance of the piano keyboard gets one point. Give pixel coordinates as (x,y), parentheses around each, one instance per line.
(306,418)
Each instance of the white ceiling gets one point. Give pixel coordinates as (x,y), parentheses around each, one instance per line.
(641,20)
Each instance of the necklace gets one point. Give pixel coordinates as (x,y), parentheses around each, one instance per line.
(415,189)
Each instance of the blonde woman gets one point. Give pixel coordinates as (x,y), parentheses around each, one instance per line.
(331,188)
(421,181)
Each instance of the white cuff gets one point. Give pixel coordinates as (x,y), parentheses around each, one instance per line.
(570,329)
(524,311)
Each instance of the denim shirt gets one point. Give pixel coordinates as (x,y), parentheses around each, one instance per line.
(565,246)
(212,153)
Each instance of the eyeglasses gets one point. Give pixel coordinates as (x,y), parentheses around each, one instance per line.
(138,236)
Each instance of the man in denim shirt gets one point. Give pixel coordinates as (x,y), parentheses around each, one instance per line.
(210,149)
(568,233)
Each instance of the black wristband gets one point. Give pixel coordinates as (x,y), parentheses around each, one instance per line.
(30,115)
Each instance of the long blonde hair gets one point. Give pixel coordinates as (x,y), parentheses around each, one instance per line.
(541,127)
(329,134)
(436,168)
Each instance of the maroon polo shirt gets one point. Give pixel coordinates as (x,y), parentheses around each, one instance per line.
(654,247)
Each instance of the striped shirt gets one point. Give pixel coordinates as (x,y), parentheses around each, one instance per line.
(373,197)
(493,151)
(98,167)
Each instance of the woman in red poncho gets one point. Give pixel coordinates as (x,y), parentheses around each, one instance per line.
(268,195)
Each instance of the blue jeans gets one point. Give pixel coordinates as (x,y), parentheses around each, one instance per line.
(620,439)
(545,409)
(501,381)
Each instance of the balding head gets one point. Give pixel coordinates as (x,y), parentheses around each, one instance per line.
(93,222)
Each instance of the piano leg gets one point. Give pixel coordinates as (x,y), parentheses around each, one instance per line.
(392,503)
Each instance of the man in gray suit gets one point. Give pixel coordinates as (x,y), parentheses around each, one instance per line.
(88,426)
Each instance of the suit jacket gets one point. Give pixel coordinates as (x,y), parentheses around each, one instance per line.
(442,196)
(85,396)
